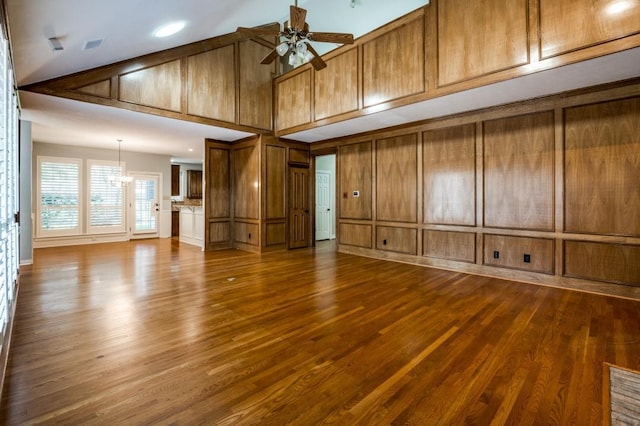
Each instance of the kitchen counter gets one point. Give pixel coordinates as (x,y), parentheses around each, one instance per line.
(192,225)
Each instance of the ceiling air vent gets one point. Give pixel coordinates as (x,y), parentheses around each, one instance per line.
(92,44)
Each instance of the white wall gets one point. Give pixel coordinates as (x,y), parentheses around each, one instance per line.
(134,162)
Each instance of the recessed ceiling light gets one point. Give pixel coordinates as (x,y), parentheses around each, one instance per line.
(169,29)
(190,149)
(620,6)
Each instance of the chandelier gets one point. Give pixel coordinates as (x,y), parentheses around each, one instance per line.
(120,179)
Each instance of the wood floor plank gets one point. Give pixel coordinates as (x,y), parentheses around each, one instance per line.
(158,332)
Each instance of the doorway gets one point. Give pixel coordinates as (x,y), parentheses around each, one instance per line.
(144,205)
(325,208)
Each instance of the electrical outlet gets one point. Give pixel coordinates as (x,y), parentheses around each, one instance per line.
(496,254)
(527,258)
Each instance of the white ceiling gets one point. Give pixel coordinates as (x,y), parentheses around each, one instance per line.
(127,26)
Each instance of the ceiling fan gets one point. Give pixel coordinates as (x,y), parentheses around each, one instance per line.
(295,37)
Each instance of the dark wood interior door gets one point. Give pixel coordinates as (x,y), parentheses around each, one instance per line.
(299,219)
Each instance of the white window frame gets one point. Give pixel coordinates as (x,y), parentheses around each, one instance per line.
(123,216)
(64,232)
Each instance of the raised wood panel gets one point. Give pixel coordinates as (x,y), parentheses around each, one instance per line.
(256,86)
(276,234)
(211,84)
(101,89)
(246,233)
(512,251)
(218,197)
(158,86)
(219,232)
(617,263)
(480,37)
(336,87)
(246,168)
(294,100)
(355,235)
(519,172)
(299,156)
(355,175)
(602,168)
(400,240)
(449,172)
(299,207)
(397,179)
(449,245)
(275,174)
(567,25)
(394,64)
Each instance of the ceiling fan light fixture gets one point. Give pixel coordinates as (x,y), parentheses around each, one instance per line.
(282,48)
(293,59)
(301,47)
(307,56)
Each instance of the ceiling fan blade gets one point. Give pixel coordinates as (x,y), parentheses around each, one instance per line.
(340,38)
(298,17)
(317,62)
(270,57)
(258,31)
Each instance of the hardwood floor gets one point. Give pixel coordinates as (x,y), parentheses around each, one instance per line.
(158,332)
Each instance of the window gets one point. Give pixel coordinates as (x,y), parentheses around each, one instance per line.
(9,229)
(58,196)
(106,200)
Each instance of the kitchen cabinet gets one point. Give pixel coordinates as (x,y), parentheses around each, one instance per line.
(175,180)
(194,183)
(175,223)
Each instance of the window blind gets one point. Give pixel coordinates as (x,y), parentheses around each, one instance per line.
(59,183)
(106,201)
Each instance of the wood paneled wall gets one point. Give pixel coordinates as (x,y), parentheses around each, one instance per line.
(601,148)
(393,63)
(449,173)
(450,46)
(218,81)
(546,191)
(355,180)
(246,192)
(211,89)
(217,176)
(397,179)
(518,172)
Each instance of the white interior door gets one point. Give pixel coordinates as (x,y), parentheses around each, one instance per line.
(324,215)
(145,206)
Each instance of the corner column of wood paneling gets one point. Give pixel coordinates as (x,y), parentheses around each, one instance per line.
(217,209)
(247,192)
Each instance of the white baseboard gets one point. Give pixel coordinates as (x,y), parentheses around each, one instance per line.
(78,240)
